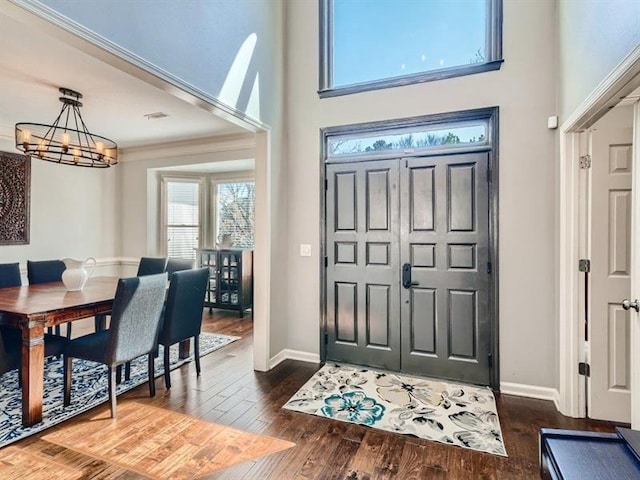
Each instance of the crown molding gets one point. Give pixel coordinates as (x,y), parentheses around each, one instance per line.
(118,57)
(217,144)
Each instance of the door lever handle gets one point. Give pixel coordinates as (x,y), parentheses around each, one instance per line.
(628,305)
(406,276)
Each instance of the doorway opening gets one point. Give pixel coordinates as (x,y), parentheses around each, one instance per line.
(607,177)
(409,243)
(574,246)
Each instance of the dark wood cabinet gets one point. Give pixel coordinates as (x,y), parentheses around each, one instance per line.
(230,278)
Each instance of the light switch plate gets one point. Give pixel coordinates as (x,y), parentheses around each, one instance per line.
(305,250)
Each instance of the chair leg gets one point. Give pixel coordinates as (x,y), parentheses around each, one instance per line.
(57,329)
(67,362)
(152,377)
(127,371)
(196,352)
(167,371)
(69,331)
(112,391)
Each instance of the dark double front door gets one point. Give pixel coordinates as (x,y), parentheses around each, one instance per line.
(408,282)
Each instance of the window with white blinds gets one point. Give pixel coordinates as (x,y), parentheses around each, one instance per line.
(182,218)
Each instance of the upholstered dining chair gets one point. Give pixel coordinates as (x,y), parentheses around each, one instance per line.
(12,337)
(183,313)
(9,354)
(47,271)
(10,275)
(135,322)
(151,266)
(178,264)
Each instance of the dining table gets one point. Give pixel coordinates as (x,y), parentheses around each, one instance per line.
(33,308)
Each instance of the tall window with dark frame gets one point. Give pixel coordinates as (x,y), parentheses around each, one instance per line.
(367,45)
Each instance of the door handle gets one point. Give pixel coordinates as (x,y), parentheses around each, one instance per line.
(406,276)
(628,305)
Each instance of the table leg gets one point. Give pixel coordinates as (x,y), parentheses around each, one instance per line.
(184,349)
(32,373)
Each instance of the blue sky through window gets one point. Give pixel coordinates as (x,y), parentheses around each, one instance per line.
(378,39)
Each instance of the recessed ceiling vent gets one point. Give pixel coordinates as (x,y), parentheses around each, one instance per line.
(156,115)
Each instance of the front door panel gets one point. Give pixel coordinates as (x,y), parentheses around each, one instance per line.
(427,218)
(446,328)
(363,304)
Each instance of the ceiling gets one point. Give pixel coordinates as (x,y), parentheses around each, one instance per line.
(33,64)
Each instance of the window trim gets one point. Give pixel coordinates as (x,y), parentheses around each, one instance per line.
(493,49)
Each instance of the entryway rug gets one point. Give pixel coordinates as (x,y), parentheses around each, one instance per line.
(88,389)
(455,414)
(162,444)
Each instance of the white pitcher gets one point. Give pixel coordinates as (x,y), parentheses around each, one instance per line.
(76,274)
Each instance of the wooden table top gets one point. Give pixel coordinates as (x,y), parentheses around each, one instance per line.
(46,297)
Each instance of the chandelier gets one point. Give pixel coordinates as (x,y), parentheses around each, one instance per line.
(68,139)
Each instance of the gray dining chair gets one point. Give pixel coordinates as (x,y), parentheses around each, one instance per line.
(178,264)
(135,322)
(182,318)
(47,271)
(151,266)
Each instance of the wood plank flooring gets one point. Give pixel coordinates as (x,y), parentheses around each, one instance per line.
(230,393)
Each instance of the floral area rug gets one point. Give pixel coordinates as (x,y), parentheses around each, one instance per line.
(455,414)
(88,388)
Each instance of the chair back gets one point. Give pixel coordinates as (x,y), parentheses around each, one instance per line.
(178,264)
(151,266)
(10,275)
(185,301)
(135,318)
(45,271)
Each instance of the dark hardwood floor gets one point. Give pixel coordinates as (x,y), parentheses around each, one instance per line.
(229,392)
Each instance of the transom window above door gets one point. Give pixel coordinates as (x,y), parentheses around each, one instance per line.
(367,45)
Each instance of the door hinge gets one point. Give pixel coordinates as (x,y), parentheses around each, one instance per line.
(490,360)
(584,369)
(326,184)
(326,261)
(489,268)
(326,338)
(584,265)
(585,161)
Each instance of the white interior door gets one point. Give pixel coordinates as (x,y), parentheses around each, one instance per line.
(609,332)
(635,274)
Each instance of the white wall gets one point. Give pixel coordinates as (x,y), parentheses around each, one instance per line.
(73,213)
(525,91)
(595,36)
(140,208)
(224,47)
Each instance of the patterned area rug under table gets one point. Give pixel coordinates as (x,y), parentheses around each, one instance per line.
(450,413)
(88,389)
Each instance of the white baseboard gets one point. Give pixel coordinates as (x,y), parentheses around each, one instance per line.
(531,391)
(288,354)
